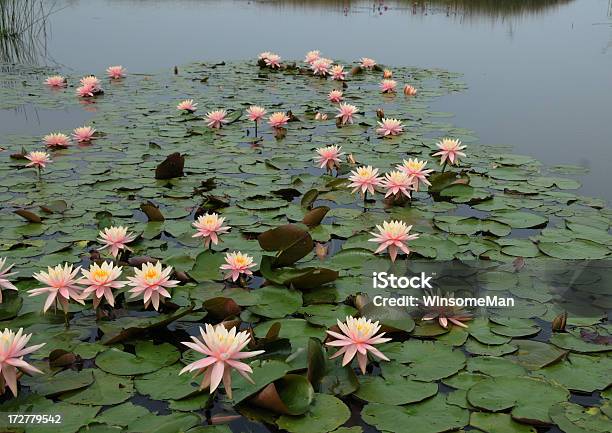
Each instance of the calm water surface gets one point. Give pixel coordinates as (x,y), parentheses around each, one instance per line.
(539,71)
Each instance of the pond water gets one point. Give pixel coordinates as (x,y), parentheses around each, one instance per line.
(539,72)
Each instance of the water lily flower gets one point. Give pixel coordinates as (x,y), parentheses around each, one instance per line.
(409,90)
(5,283)
(152,282)
(329,157)
(273,61)
(278,119)
(115,72)
(56,139)
(389,127)
(61,285)
(115,238)
(367,63)
(397,183)
(337,72)
(56,81)
(415,169)
(83,134)
(320,116)
(256,113)
(447,315)
(101,281)
(209,227)
(38,159)
(388,86)
(387,74)
(187,105)
(223,352)
(86,91)
(237,264)
(12,350)
(216,118)
(450,150)
(346,113)
(365,178)
(393,235)
(321,66)
(358,338)
(264,55)
(312,56)
(334,96)
(90,80)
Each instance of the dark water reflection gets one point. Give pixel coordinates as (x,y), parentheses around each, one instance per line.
(539,71)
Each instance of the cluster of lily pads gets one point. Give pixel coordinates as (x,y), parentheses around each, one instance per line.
(152,176)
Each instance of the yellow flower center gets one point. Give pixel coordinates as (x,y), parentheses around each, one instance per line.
(100,274)
(151,274)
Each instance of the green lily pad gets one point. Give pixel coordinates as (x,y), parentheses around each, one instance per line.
(430,416)
(106,389)
(498,423)
(326,414)
(149,357)
(529,398)
(396,391)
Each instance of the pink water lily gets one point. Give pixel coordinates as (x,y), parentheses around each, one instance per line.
(187,105)
(222,350)
(209,227)
(91,80)
(312,56)
(83,134)
(115,238)
(346,113)
(273,61)
(321,66)
(364,179)
(152,282)
(334,96)
(12,350)
(100,281)
(320,116)
(329,157)
(367,63)
(86,91)
(390,127)
(237,264)
(38,159)
(387,74)
(388,86)
(337,73)
(358,337)
(116,72)
(56,140)
(393,236)
(256,113)
(56,81)
(450,150)
(217,118)
(264,55)
(409,90)
(415,169)
(60,285)
(5,283)
(278,119)
(398,184)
